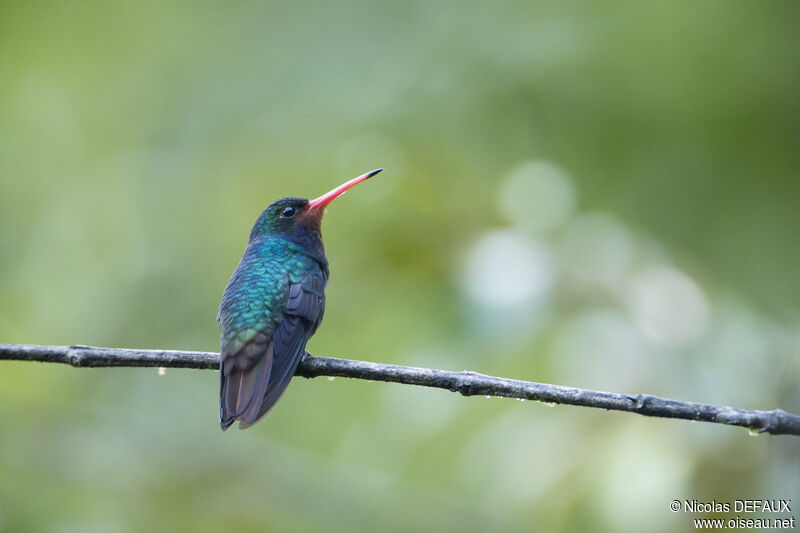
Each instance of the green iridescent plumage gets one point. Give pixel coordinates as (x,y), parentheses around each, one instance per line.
(259,289)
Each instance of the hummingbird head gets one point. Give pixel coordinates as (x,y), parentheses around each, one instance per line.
(281,217)
(297,218)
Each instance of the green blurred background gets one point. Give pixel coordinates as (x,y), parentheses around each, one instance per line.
(597,195)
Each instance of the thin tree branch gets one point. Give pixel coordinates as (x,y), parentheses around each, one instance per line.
(776,422)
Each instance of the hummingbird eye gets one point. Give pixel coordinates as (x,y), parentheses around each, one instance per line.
(288,212)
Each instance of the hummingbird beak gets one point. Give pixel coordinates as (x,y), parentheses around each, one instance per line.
(325,199)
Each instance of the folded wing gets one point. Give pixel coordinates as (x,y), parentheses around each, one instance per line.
(256,375)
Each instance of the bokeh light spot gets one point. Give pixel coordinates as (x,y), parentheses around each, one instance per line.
(668,305)
(507,269)
(537,196)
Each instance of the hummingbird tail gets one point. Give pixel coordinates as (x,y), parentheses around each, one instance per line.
(242,390)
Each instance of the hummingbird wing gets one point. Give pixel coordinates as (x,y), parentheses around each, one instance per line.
(304,310)
(255,373)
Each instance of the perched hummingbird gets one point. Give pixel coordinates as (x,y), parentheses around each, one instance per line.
(272,305)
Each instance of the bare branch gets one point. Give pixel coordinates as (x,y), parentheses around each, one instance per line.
(776,422)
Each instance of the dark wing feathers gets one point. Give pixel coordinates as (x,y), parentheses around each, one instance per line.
(289,344)
(255,377)
(304,310)
(306,300)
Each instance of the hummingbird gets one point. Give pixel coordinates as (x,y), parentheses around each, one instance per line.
(272,305)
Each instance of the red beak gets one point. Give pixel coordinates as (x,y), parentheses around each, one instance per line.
(325,199)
